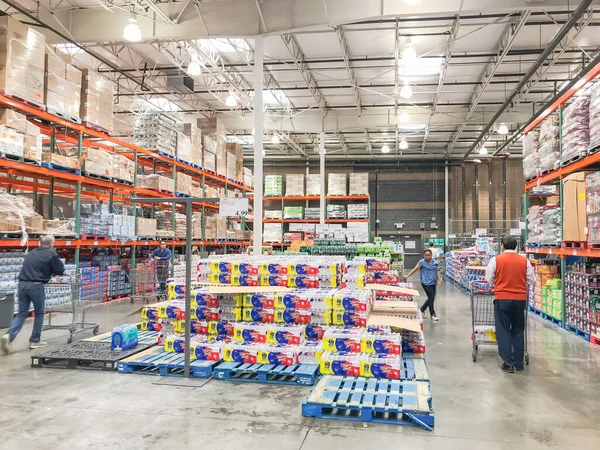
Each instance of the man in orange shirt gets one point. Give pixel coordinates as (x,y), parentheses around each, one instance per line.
(510,273)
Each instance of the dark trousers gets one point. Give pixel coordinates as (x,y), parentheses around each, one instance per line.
(29,293)
(509,316)
(430,292)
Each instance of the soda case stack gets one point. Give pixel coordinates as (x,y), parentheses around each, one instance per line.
(582,285)
(544,274)
(155,131)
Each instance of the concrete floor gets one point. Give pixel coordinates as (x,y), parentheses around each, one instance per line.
(555,403)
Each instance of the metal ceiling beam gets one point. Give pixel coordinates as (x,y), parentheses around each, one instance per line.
(299,61)
(556,40)
(396,64)
(436,95)
(504,44)
(346,54)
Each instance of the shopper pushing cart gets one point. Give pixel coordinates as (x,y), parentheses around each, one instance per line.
(162,258)
(510,273)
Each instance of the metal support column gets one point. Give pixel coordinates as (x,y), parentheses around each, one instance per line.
(490,195)
(464,198)
(258,145)
(504,190)
(322,175)
(476,198)
(78,203)
(188,282)
(446,203)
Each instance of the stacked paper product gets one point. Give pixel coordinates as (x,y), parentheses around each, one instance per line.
(313,184)
(273,232)
(312,213)
(21,60)
(576,129)
(97,100)
(63,85)
(273,186)
(595,117)
(549,150)
(273,214)
(294,184)
(531,157)
(359,183)
(155,131)
(358,211)
(337,184)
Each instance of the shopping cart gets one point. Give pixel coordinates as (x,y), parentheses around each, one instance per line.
(149,281)
(483,331)
(72,295)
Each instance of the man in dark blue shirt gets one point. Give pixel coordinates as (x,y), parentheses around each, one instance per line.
(39,266)
(162,257)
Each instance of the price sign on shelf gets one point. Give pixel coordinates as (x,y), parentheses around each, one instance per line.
(236,207)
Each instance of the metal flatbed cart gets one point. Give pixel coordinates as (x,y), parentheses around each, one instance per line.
(72,295)
(483,331)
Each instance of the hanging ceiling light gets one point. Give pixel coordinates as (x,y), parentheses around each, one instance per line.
(194,68)
(483,150)
(502,129)
(132,32)
(231,101)
(404,116)
(385,149)
(409,55)
(406,91)
(275,139)
(403,144)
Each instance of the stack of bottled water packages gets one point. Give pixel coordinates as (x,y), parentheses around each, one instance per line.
(60,290)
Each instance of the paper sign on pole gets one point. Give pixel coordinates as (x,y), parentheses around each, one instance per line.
(480,231)
(236,207)
(515,232)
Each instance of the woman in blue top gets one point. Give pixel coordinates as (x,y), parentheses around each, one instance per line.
(430,277)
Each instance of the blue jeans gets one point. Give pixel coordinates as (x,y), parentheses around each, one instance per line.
(510,330)
(29,293)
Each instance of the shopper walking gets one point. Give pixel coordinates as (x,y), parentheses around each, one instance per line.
(510,273)
(161,257)
(430,277)
(434,251)
(39,265)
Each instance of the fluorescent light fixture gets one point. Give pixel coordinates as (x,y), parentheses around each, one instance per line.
(421,67)
(275,139)
(409,55)
(502,129)
(194,68)
(132,32)
(406,91)
(403,144)
(404,116)
(483,150)
(385,149)
(231,101)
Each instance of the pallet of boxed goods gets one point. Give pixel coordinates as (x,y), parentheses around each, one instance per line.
(359,183)
(97,101)
(337,184)
(19,139)
(157,361)
(157,183)
(294,185)
(62,93)
(55,161)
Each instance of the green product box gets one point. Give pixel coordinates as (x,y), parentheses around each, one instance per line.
(293,212)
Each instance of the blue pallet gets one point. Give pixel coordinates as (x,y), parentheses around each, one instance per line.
(414,369)
(361,399)
(62,115)
(53,166)
(181,194)
(535,310)
(165,154)
(551,319)
(298,374)
(577,332)
(156,361)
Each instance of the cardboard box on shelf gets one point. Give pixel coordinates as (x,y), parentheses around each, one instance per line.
(62,93)
(60,160)
(247,177)
(210,161)
(210,228)
(231,166)
(195,135)
(294,184)
(184,147)
(123,167)
(21,60)
(145,228)
(337,184)
(358,183)
(237,171)
(196,191)
(221,157)
(313,184)
(156,182)
(97,100)
(184,183)
(574,207)
(34,224)
(13,119)
(11,142)
(222,227)
(98,162)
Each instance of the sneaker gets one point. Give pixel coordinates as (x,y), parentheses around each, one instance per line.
(40,344)
(5,344)
(519,368)
(435,318)
(507,369)
(424,315)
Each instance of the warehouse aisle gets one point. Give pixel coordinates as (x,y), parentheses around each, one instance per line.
(554,403)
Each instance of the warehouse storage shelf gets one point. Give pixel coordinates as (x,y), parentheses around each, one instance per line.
(316,197)
(308,220)
(89,243)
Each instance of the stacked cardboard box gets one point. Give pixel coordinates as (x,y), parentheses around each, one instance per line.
(145,228)
(195,134)
(214,134)
(164,223)
(21,61)
(336,184)
(359,183)
(17,215)
(313,184)
(123,167)
(543,274)
(157,182)
(98,162)
(222,228)
(294,184)
(210,161)
(97,100)
(273,186)
(60,160)
(184,147)
(197,225)
(184,183)
(235,160)
(62,92)
(19,137)
(210,228)
(155,131)
(247,177)
(574,207)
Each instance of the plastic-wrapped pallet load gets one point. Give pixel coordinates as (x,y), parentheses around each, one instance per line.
(248,178)
(145,227)
(18,136)
(184,147)
(97,100)
(337,184)
(294,184)
(549,149)
(293,212)
(21,60)
(576,130)
(535,233)
(552,225)
(210,161)
(531,157)
(62,92)
(312,213)
(336,211)
(164,224)
(155,131)
(195,135)
(184,183)
(60,160)
(273,186)
(592,194)
(98,162)
(273,214)
(358,211)
(359,183)
(595,117)
(272,232)
(123,168)
(156,182)
(313,184)
(235,161)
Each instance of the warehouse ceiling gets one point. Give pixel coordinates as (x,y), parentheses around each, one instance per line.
(337,66)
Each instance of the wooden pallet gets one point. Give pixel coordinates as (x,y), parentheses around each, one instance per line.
(362,399)
(297,374)
(155,361)
(574,244)
(98,128)
(20,99)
